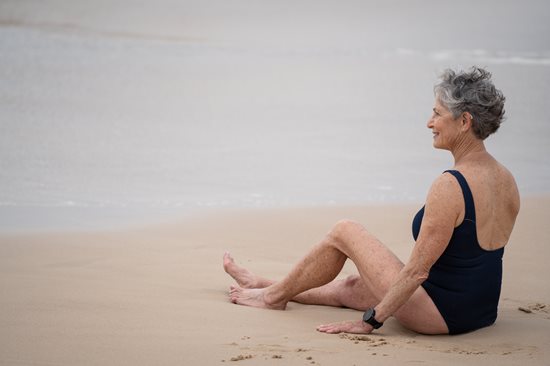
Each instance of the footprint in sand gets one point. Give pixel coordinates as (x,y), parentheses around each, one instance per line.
(535,308)
(239,358)
(370,341)
(265,351)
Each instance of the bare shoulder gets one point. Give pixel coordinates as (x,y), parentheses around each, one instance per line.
(445,200)
(442,211)
(444,186)
(497,201)
(444,183)
(508,188)
(492,184)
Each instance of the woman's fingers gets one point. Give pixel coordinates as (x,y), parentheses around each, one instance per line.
(353,326)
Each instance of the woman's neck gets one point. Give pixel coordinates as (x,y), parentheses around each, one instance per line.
(467,149)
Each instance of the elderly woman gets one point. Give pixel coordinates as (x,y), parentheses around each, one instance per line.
(451,283)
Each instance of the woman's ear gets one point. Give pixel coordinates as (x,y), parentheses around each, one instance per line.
(467,120)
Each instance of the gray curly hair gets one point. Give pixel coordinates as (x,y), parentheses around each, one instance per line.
(472,91)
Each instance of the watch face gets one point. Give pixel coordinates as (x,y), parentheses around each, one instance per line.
(368,314)
(369,317)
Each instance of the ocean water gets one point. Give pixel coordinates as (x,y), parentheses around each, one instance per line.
(120,112)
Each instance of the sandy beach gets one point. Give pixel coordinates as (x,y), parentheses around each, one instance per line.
(139,141)
(158,295)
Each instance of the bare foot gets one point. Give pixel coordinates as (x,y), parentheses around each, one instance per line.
(244,277)
(255,297)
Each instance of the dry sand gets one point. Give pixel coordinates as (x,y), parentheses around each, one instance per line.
(158,295)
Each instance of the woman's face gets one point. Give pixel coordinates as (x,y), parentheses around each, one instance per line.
(445,128)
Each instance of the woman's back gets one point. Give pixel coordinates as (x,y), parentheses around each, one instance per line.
(496,200)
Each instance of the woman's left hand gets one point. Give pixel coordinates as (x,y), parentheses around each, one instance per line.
(352,326)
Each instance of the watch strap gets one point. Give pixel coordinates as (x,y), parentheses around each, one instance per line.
(368,318)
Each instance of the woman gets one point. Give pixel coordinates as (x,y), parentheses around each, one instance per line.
(451,283)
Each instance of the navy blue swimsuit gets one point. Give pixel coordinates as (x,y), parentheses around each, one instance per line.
(464,283)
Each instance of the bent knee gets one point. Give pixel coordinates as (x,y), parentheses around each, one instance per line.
(352,281)
(345,229)
(353,294)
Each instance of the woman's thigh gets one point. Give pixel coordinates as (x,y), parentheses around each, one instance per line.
(378,267)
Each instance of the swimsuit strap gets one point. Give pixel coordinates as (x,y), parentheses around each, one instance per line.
(467,193)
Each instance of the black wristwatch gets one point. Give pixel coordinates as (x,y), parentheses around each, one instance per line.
(368,318)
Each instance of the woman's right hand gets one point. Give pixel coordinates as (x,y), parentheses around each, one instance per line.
(352,326)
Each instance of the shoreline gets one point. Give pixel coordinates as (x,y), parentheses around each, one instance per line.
(77,219)
(158,294)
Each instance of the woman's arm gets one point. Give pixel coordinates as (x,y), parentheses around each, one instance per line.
(444,208)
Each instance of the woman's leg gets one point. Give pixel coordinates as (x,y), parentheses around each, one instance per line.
(377,266)
(319,267)
(350,292)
